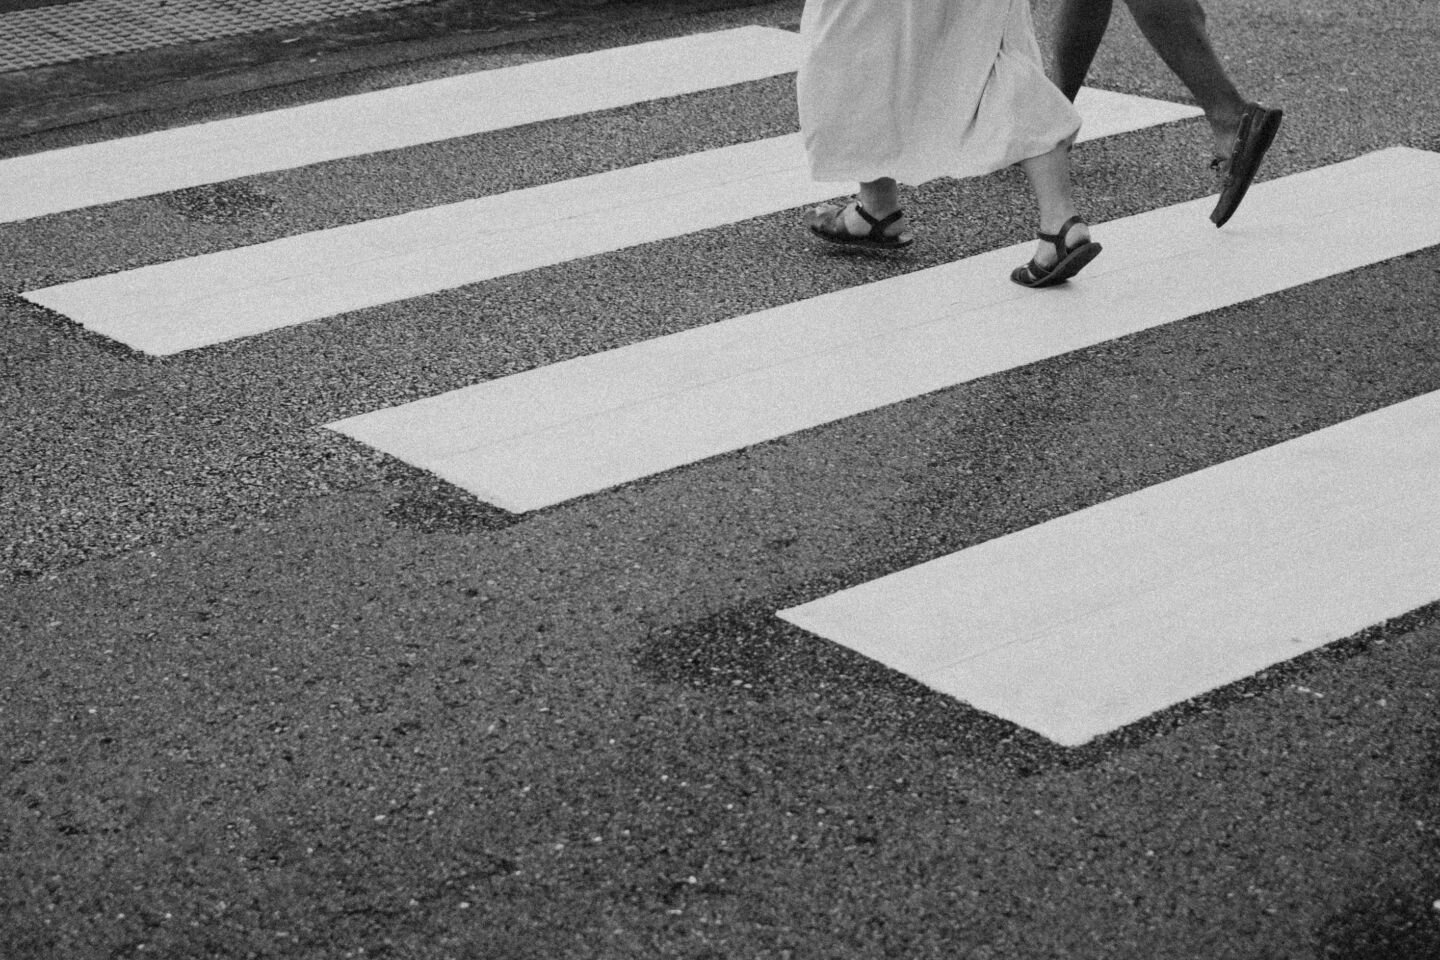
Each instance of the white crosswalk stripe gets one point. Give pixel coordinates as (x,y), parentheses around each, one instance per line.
(170,307)
(541,437)
(1097,619)
(139,166)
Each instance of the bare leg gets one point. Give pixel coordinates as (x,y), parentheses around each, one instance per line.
(1049,176)
(1176,29)
(1079,27)
(880,198)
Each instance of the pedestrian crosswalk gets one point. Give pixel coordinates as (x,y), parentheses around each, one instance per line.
(170,307)
(548,435)
(1072,628)
(1099,618)
(387,119)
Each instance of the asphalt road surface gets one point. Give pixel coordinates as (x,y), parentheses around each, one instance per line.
(268,690)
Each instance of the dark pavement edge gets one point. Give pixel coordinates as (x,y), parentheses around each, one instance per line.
(62,95)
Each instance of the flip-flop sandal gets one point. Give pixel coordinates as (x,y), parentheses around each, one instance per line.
(1071,260)
(828,223)
(1258,127)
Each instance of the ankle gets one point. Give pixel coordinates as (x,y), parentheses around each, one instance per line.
(880,209)
(880,198)
(1054,225)
(861,219)
(1224,118)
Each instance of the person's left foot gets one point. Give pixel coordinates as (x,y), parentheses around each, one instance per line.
(1059,257)
(1074,233)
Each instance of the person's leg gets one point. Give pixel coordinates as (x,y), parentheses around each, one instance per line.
(1079,28)
(1176,29)
(1242,131)
(880,198)
(1049,176)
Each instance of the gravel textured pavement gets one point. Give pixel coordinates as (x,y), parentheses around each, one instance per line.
(267,693)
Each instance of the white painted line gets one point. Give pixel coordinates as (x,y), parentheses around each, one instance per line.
(184,304)
(1104,113)
(1079,626)
(550,434)
(152,163)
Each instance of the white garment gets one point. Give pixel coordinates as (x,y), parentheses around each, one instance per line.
(917,89)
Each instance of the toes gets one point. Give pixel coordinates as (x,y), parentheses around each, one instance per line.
(822,214)
(828,219)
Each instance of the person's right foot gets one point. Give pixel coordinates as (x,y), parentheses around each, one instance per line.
(1059,257)
(1076,234)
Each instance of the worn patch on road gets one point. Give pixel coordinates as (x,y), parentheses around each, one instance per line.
(97,28)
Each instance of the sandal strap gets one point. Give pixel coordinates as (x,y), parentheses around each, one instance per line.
(877,226)
(1057,240)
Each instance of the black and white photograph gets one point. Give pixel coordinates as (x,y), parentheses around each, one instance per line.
(720,479)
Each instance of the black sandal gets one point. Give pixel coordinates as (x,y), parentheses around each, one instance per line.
(1071,259)
(828,223)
